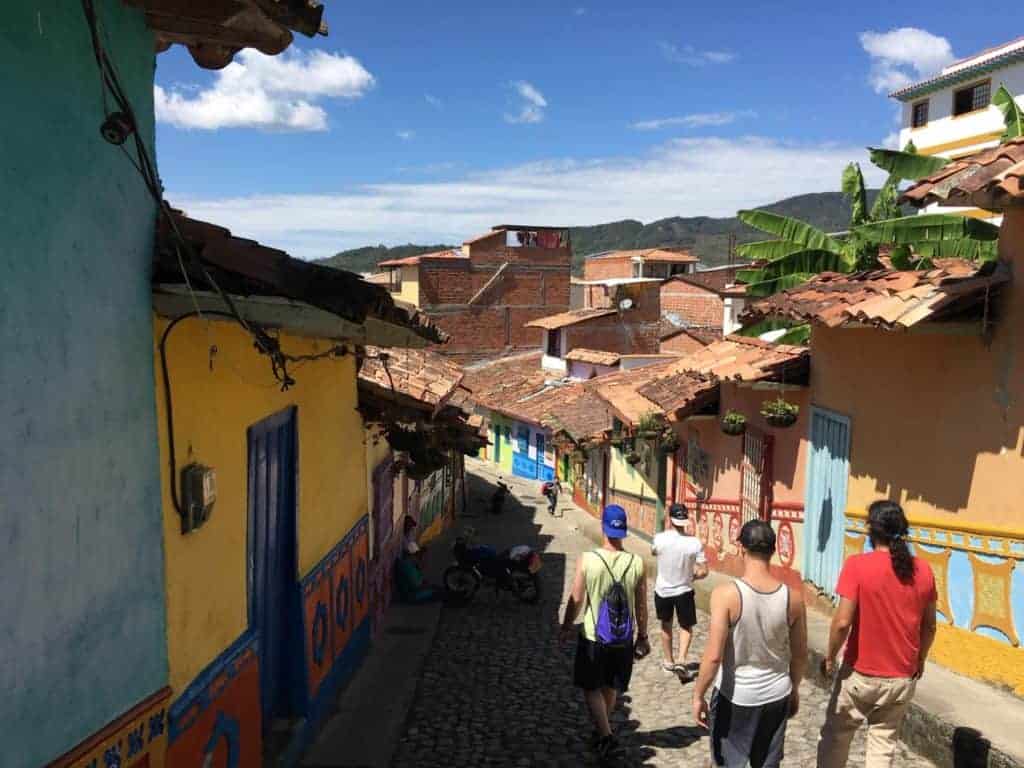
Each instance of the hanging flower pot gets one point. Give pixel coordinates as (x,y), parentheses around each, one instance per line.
(649,427)
(579,456)
(669,442)
(734,423)
(633,458)
(780,413)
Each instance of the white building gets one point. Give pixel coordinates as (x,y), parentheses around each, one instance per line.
(950,115)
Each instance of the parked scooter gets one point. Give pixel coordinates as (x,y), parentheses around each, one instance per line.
(515,570)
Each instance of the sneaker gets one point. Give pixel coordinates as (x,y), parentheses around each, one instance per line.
(671,668)
(608,747)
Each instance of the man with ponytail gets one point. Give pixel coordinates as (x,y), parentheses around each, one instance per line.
(886,617)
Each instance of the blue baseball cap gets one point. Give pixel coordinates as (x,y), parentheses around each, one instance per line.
(613,522)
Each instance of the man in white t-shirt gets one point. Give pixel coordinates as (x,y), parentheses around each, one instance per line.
(681,561)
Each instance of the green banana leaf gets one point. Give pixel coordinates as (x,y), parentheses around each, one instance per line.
(972,250)
(798,335)
(805,262)
(749,276)
(768,249)
(791,230)
(906,165)
(930,226)
(754,330)
(852,186)
(775,285)
(1012,117)
(886,205)
(904,258)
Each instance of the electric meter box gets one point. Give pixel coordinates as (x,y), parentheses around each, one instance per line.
(198,493)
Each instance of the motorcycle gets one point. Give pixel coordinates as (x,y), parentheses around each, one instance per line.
(516,570)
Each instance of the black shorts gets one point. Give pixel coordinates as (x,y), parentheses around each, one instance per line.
(747,734)
(682,605)
(602,666)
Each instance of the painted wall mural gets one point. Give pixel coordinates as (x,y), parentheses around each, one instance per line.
(216,722)
(979,577)
(137,739)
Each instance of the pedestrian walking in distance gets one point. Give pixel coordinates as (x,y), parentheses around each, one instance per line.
(756,656)
(610,589)
(886,617)
(681,561)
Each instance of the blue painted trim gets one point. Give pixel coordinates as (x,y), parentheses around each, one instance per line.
(198,689)
(323,704)
(335,552)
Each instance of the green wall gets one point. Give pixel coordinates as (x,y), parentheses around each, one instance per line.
(81,560)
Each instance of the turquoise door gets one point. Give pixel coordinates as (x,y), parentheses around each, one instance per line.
(828,471)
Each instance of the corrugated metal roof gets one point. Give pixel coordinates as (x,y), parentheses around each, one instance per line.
(885,298)
(990,178)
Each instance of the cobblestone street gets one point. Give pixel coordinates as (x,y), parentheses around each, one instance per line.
(497,690)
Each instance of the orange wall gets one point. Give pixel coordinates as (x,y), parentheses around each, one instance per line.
(725,452)
(943,435)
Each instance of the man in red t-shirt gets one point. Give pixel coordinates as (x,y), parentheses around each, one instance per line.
(886,617)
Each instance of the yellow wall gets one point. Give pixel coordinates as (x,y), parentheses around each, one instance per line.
(410,286)
(943,434)
(206,570)
(377,450)
(623,477)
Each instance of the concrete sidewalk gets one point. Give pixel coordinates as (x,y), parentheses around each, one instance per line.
(954,721)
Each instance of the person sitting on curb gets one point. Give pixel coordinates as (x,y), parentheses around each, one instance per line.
(411,547)
(681,561)
(756,655)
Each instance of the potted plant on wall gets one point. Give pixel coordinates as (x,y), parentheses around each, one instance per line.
(633,458)
(734,423)
(649,427)
(669,442)
(780,412)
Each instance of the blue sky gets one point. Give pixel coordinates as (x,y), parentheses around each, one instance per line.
(431,121)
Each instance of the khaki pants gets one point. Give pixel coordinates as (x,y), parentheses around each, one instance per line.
(879,702)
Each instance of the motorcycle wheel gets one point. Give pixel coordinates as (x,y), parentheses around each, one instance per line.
(526,587)
(461,583)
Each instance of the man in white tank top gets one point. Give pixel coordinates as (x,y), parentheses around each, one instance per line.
(756,656)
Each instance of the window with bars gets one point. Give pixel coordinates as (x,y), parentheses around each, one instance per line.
(919,114)
(972,98)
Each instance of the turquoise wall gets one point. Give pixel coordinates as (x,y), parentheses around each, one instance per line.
(82,621)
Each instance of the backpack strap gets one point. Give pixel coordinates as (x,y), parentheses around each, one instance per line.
(611,573)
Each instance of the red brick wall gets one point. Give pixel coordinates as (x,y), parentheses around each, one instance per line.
(696,305)
(681,343)
(604,268)
(717,279)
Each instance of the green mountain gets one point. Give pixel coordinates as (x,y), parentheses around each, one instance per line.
(365,259)
(708,238)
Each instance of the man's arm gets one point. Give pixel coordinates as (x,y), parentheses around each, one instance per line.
(927,636)
(842,620)
(714,650)
(640,601)
(797,646)
(575,603)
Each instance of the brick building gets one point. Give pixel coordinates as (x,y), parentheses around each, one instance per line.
(485,293)
(626,318)
(660,263)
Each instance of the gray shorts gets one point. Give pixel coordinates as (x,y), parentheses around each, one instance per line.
(747,734)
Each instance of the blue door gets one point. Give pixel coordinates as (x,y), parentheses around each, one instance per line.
(539,441)
(828,471)
(272,556)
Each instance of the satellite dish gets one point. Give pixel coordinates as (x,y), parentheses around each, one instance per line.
(626,304)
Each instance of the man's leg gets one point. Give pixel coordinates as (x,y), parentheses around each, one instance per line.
(686,613)
(685,638)
(842,719)
(597,705)
(666,642)
(885,720)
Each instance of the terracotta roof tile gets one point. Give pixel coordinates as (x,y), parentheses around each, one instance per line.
(563,319)
(420,374)
(409,261)
(885,298)
(674,255)
(593,356)
(990,178)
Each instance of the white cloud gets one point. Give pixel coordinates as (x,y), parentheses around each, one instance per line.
(406,135)
(695,120)
(268,92)
(891,141)
(690,56)
(683,177)
(433,100)
(900,56)
(531,104)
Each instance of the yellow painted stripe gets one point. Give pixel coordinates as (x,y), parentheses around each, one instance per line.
(968,141)
(947,524)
